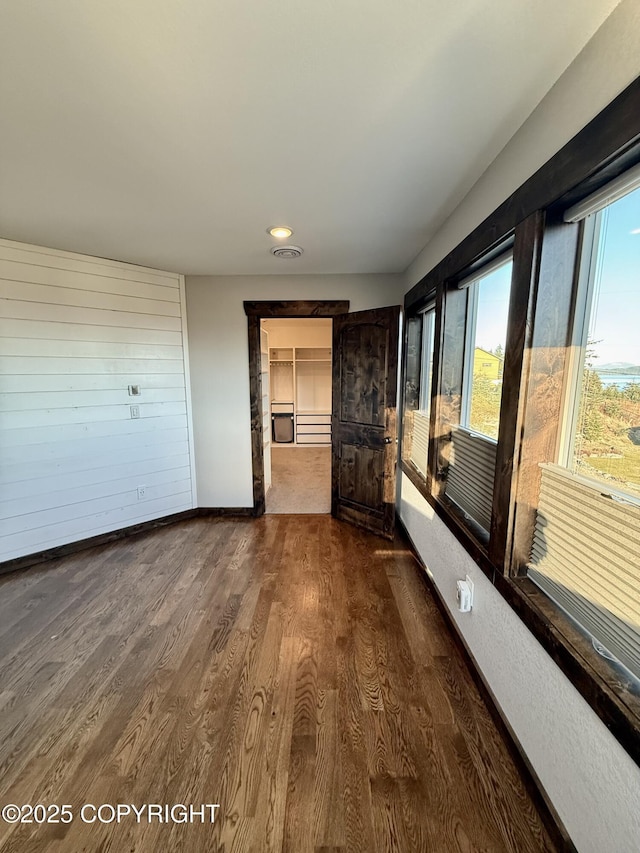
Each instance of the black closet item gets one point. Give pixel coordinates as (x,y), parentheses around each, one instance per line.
(282,428)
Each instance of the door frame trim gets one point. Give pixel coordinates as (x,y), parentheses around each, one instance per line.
(255,312)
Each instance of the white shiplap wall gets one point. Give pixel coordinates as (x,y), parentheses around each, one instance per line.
(75,332)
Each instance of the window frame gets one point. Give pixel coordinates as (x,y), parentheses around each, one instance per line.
(546,250)
(586,265)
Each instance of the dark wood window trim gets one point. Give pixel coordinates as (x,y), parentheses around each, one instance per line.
(522,304)
(256,311)
(545,248)
(541,400)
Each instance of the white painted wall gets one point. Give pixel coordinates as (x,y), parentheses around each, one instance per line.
(76,331)
(219,358)
(591,780)
(606,66)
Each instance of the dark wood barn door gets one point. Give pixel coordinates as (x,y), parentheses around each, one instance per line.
(365,378)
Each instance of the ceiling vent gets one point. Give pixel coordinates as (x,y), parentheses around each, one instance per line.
(286,251)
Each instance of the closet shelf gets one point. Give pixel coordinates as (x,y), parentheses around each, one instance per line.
(300,381)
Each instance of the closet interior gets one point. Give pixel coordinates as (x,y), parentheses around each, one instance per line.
(296,405)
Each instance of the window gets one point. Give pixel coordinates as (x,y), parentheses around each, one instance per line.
(420,450)
(473,373)
(486,337)
(586,546)
(420,340)
(426,368)
(603,437)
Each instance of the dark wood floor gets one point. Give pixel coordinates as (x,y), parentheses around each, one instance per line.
(292,669)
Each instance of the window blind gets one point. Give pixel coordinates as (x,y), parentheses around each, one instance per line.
(614,190)
(586,557)
(420,441)
(484,271)
(472,468)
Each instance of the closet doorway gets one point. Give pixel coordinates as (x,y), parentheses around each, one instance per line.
(362,428)
(296,405)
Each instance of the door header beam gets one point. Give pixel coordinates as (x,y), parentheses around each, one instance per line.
(297,308)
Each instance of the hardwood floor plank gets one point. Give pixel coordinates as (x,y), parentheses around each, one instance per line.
(298,823)
(328,806)
(356,790)
(306,698)
(251,762)
(389,829)
(291,668)
(272,794)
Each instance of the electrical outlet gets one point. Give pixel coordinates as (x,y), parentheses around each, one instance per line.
(464,594)
(470,585)
(135,411)
(142,493)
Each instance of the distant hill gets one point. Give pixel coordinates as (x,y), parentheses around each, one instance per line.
(616,368)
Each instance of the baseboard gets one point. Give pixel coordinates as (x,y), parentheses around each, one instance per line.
(551,819)
(228,511)
(111,536)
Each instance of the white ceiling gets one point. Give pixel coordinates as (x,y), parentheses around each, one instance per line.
(171,133)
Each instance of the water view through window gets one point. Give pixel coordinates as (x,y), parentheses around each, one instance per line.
(607,432)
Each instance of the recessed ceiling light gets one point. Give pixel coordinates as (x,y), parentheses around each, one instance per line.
(281,232)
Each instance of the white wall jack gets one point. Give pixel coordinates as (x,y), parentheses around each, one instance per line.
(135,411)
(142,493)
(464,594)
